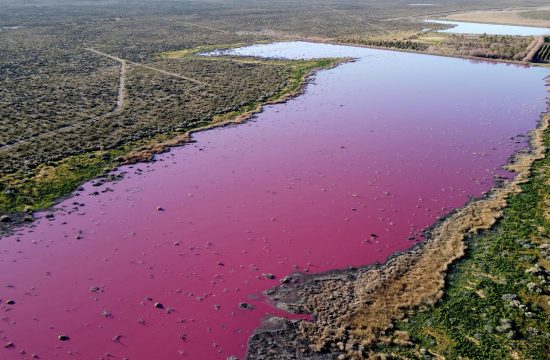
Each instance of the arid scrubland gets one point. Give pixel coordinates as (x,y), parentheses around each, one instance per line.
(60,99)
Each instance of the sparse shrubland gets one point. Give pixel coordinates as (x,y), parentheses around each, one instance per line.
(392,44)
(485,46)
(539,14)
(58,99)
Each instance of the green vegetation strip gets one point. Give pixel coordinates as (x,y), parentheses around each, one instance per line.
(43,186)
(298,71)
(497,299)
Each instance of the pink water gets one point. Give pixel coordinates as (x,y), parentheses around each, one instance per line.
(384,146)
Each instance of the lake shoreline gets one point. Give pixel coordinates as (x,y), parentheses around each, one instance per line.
(481,28)
(300,291)
(146,153)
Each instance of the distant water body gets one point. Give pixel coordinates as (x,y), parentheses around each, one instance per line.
(490,29)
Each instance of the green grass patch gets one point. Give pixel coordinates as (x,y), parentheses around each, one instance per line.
(40,188)
(299,69)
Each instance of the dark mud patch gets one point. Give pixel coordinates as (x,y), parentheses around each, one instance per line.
(279,338)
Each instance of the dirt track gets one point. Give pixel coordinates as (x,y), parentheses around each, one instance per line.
(120,102)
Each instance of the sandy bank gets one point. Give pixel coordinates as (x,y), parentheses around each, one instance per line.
(505,17)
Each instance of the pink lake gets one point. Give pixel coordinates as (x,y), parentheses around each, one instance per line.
(385,145)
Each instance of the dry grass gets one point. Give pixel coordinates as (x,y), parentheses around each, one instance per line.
(534,48)
(507,17)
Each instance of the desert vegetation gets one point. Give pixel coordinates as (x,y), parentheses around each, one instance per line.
(513,48)
(151,116)
(539,14)
(527,14)
(486,46)
(392,44)
(63,67)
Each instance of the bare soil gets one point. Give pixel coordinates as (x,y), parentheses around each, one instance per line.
(506,17)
